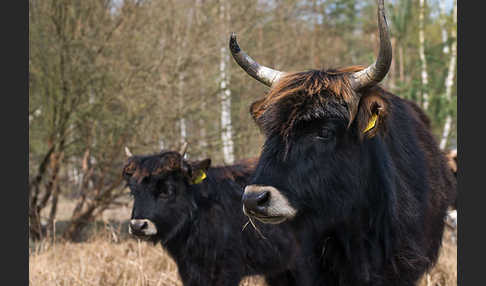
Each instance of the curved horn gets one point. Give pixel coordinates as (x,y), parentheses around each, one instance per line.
(183,149)
(127,152)
(265,75)
(377,71)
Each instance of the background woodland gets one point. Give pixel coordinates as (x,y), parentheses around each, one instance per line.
(104,74)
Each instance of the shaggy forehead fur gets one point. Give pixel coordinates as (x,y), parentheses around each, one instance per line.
(140,167)
(305,96)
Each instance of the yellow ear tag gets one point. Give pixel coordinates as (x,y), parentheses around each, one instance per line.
(200,177)
(371,123)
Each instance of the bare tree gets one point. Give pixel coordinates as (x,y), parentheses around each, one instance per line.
(225,94)
(400,17)
(445,37)
(150,74)
(423,61)
(450,78)
(81,79)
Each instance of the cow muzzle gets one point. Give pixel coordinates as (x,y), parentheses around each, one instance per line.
(142,227)
(266,204)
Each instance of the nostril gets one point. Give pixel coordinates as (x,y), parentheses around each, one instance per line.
(263,198)
(138,225)
(256,201)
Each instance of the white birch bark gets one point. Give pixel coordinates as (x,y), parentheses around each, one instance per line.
(203,143)
(182,119)
(425,77)
(450,78)
(442,4)
(225,97)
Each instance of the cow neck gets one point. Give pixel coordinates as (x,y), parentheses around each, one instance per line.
(180,239)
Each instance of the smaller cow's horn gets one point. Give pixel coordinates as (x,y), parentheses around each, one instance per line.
(127,152)
(183,149)
(373,74)
(265,75)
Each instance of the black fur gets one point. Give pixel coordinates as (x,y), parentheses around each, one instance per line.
(200,225)
(370,210)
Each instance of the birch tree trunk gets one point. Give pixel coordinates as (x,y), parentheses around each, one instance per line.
(450,78)
(425,79)
(202,140)
(182,119)
(442,4)
(225,96)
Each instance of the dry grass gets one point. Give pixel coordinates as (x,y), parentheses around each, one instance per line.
(102,261)
(445,271)
(110,258)
(105,260)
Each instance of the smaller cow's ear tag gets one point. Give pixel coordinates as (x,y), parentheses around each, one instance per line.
(200,177)
(371,123)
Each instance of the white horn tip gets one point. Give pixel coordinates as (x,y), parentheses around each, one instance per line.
(183,149)
(127,152)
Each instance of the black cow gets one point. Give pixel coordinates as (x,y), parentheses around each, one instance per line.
(194,210)
(352,168)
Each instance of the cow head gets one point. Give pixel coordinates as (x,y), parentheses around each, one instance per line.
(322,129)
(163,201)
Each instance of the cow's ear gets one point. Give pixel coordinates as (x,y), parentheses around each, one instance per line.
(199,169)
(129,169)
(372,112)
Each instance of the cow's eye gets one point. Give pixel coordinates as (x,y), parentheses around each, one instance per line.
(325,134)
(166,191)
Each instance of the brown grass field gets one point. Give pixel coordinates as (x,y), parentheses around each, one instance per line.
(109,257)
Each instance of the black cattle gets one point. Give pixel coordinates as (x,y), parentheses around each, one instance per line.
(352,168)
(194,210)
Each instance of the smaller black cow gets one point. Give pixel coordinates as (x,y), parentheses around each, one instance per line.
(195,212)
